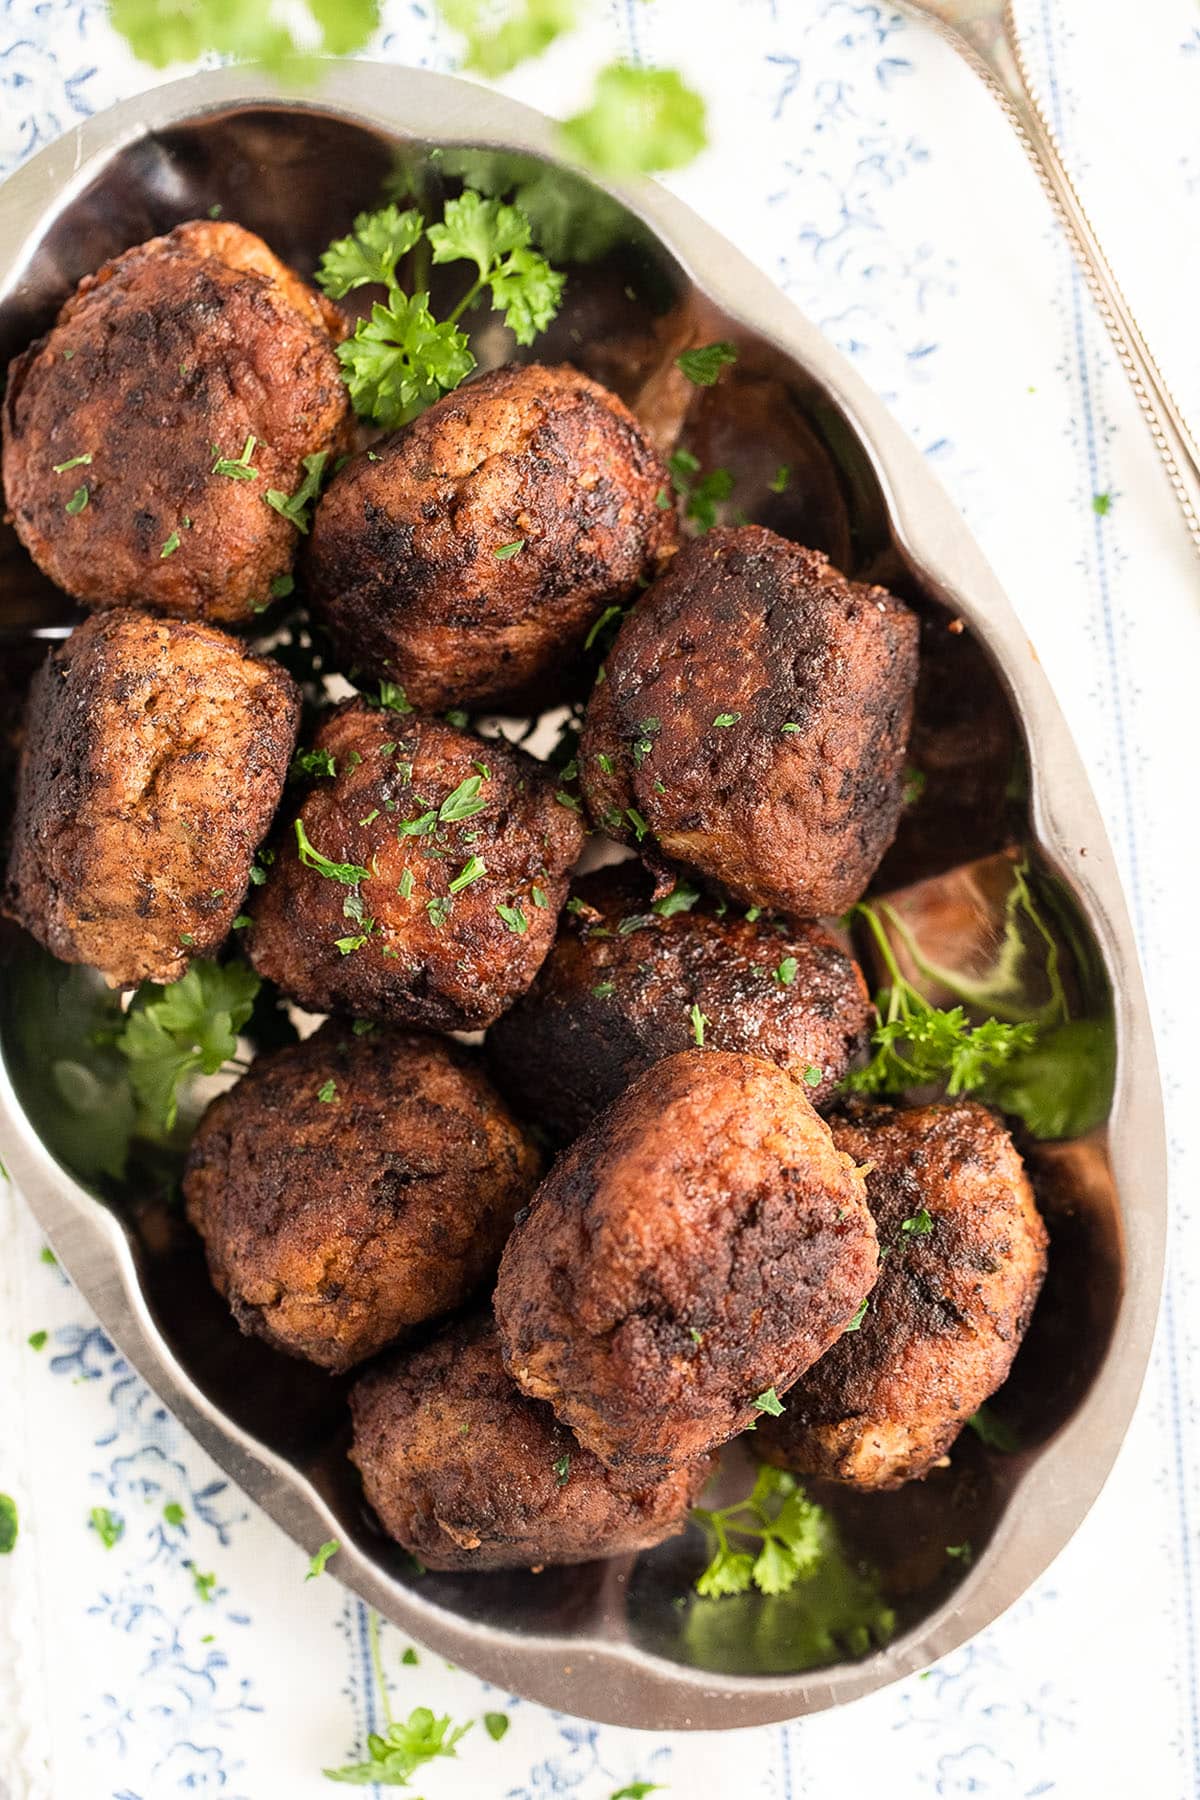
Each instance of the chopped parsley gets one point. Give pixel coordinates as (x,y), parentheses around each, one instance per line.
(681,899)
(785,972)
(471,871)
(439,909)
(861,1313)
(562,1469)
(703,365)
(171,545)
(75,462)
(406,884)
(495,1724)
(108,1526)
(606,618)
(321,1557)
(699,1021)
(78,501)
(393,698)
(640,827)
(700,493)
(1101,504)
(463,803)
(504,551)
(779,481)
(205,1585)
(314,762)
(514,918)
(237,468)
(724,720)
(349,874)
(295,507)
(173,1513)
(327,1092)
(538,896)
(993,1431)
(8,1524)
(37,1340)
(813,1075)
(920,1225)
(769,1402)
(603,989)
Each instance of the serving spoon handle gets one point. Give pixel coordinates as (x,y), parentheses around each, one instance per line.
(984,33)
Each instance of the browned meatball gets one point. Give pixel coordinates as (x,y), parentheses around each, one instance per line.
(155,754)
(752,722)
(427,883)
(469,556)
(701,1243)
(467,1473)
(353,1186)
(966,1256)
(170,358)
(625,985)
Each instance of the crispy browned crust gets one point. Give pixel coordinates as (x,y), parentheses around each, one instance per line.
(454,975)
(188,342)
(155,754)
(948,1312)
(702,1242)
(748,627)
(618,989)
(403,562)
(335,1226)
(467,1473)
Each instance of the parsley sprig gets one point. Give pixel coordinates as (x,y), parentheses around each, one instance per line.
(188,1028)
(771,1539)
(404,1745)
(401,358)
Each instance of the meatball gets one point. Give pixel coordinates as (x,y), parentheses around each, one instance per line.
(625,985)
(701,1244)
(155,754)
(181,384)
(966,1257)
(753,721)
(353,1186)
(421,881)
(469,556)
(467,1473)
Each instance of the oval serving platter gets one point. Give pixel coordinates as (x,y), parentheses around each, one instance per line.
(628,1641)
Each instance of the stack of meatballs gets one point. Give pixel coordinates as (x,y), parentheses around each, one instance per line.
(638,1219)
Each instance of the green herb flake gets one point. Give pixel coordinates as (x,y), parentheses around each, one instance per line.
(640,120)
(514,918)
(295,507)
(173,1513)
(1101,504)
(321,763)
(327,1092)
(681,899)
(785,972)
(75,462)
(236,468)
(349,874)
(495,1724)
(9,1526)
(603,989)
(321,1557)
(538,897)
(724,720)
(189,1027)
(205,1585)
(779,481)
(37,1340)
(471,871)
(108,1526)
(562,1469)
(856,1322)
(504,551)
(410,1659)
(606,618)
(769,1402)
(699,1021)
(439,909)
(463,803)
(813,1076)
(703,365)
(993,1432)
(78,501)
(920,1225)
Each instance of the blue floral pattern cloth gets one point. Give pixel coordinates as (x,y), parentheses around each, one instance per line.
(869,173)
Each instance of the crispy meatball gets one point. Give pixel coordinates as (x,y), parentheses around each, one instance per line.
(753,720)
(428,879)
(172,357)
(353,1186)
(966,1257)
(469,556)
(625,985)
(701,1243)
(467,1473)
(155,754)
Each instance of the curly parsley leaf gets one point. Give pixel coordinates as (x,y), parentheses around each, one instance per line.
(639,120)
(770,1540)
(188,1028)
(496,238)
(496,41)
(161,32)
(401,360)
(369,255)
(403,1748)
(700,492)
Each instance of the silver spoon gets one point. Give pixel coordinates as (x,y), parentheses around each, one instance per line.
(984,33)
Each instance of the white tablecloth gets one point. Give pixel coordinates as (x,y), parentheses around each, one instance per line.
(872,176)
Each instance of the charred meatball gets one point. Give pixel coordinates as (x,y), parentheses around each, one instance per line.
(469,556)
(630,980)
(181,384)
(701,1244)
(353,1186)
(424,879)
(467,1473)
(966,1257)
(155,754)
(752,722)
